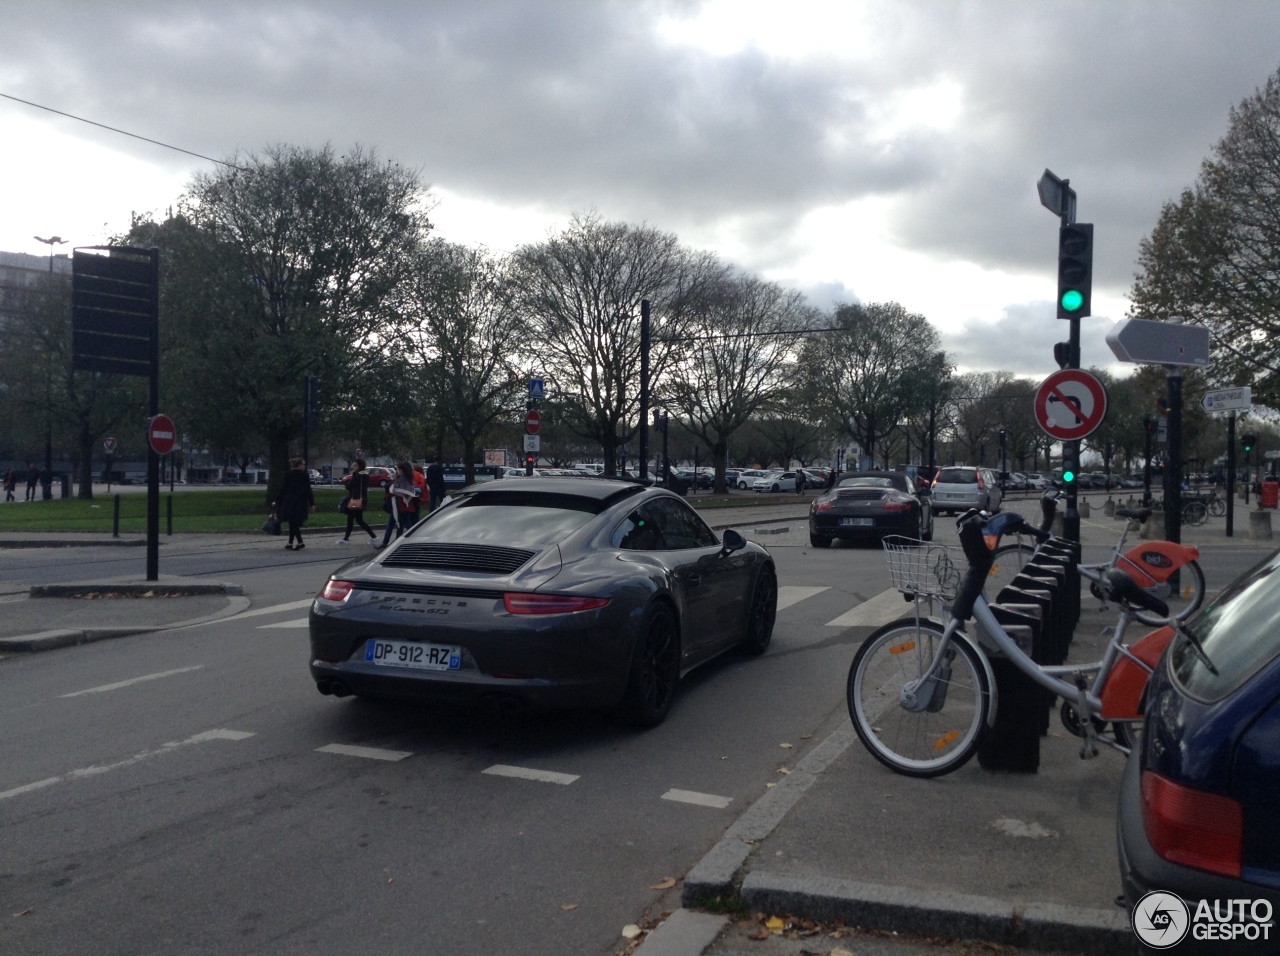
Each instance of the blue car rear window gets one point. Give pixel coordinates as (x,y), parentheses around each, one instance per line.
(1239,633)
(510,519)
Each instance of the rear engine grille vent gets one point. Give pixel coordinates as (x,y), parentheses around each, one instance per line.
(869,495)
(486,559)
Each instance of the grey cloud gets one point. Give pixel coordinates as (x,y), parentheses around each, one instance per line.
(1021,342)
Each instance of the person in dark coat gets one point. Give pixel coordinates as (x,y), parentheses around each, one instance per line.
(435,486)
(294,500)
(357,502)
(33,479)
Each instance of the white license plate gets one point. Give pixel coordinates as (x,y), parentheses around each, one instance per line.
(858,522)
(427,657)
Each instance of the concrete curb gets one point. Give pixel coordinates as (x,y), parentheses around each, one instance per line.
(902,909)
(69,637)
(135,589)
(77,543)
(682,933)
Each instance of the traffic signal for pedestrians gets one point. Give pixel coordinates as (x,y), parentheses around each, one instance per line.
(1075,270)
(1248,442)
(1149,425)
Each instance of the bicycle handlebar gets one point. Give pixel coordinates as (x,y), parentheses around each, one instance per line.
(1119,587)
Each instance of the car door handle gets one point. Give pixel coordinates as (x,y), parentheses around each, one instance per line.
(694,580)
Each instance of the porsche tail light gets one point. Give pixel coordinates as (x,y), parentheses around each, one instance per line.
(820,505)
(1191,827)
(337,590)
(525,603)
(897,505)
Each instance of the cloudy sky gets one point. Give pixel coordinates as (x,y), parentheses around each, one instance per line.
(873,151)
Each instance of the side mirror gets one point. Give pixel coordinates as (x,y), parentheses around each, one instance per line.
(733,541)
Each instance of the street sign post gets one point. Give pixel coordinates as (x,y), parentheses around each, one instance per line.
(109,445)
(1159,343)
(161,434)
(1070,404)
(1057,196)
(532,421)
(537,389)
(1228,400)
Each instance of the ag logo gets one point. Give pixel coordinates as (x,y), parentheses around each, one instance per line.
(1161,919)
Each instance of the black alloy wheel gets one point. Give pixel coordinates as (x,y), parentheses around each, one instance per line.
(655,669)
(764,610)
(819,540)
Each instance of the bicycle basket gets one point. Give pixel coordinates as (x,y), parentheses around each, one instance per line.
(923,569)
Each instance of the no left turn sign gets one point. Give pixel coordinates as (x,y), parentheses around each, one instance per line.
(1070,404)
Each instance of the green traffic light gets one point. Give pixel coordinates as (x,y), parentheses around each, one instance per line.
(1068,476)
(1072,300)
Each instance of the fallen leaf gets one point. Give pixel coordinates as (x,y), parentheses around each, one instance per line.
(630,931)
(838,951)
(770,784)
(760,933)
(27,912)
(568,906)
(785,746)
(774,923)
(806,736)
(665,884)
(783,770)
(392,880)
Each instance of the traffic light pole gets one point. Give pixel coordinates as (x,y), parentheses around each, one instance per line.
(1071,449)
(1173,458)
(1231,474)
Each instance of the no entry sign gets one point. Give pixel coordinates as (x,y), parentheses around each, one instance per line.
(532,421)
(161,434)
(1070,404)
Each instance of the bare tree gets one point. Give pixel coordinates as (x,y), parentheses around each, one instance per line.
(581,291)
(738,362)
(461,335)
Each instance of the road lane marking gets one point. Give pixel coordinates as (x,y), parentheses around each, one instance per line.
(790,594)
(300,622)
(368,753)
(131,681)
(99,769)
(884,607)
(698,799)
(274,609)
(525,773)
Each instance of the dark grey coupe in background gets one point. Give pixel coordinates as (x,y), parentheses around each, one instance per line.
(871,504)
(554,592)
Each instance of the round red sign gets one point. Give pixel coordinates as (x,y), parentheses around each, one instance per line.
(532,421)
(162,434)
(1070,404)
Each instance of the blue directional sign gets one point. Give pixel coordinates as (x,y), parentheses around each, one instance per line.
(537,388)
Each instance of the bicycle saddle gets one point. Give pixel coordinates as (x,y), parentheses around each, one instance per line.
(1118,586)
(1137,514)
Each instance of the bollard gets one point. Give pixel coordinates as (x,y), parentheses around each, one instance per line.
(1109,509)
(115,517)
(1153,527)
(1260,525)
(1085,510)
(168,507)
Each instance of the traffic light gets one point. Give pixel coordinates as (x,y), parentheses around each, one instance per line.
(1068,477)
(1149,425)
(1248,442)
(1075,270)
(528,461)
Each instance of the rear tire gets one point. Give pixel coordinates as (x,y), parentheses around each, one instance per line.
(927,534)
(1217,508)
(819,540)
(655,669)
(932,741)
(1194,512)
(1188,599)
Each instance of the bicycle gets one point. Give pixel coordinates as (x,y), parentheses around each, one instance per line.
(920,692)
(1167,570)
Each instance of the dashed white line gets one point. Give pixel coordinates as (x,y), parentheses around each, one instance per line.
(132,680)
(525,773)
(256,612)
(884,607)
(368,753)
(790,594)
(698,799)
(98,769)
(300,622)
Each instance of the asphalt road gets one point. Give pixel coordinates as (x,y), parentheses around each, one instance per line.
(215,806)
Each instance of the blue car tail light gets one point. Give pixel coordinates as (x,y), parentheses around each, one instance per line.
(1192,827)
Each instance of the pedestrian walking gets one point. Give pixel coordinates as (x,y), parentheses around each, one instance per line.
(402,497)
(33,479)
(799,481)
(293,501)
(10,483)
(419,482)
(435,486)
(357,501)
(831,479)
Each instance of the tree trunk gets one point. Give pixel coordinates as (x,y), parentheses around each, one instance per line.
(277,461)
(469,459)
(85,465)
(720,451)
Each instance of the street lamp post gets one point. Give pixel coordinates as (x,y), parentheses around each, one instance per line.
(47,478)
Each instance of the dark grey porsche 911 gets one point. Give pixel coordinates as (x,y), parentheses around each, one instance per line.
(871,504)
(544,592)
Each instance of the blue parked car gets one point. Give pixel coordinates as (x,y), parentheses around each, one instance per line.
(1199,812)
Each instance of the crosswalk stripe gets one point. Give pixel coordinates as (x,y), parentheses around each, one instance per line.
(291,606)
(299,622)
(697,799)
(368,753)
(884,607)
(525,773)
(790,594)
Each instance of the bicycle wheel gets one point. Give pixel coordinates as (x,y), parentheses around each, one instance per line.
(1009,560)
(1217,508)
(1194,512)
(940,736)
(1184,598)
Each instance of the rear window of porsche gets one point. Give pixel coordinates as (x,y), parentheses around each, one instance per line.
(511,519)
